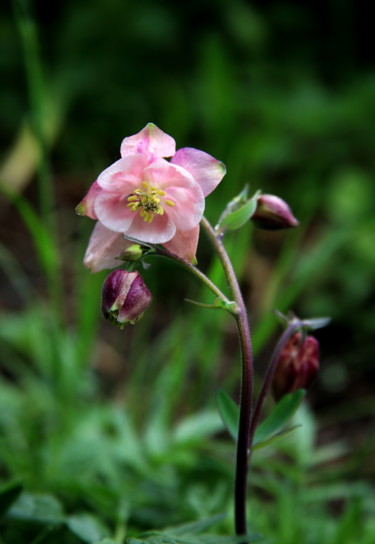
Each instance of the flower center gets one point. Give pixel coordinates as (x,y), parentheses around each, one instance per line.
(149,201)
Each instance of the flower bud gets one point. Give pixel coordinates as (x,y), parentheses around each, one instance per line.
(134,252)
(124,297)
(273,213)
(297,366)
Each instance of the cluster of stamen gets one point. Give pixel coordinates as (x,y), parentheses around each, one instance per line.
(148,200)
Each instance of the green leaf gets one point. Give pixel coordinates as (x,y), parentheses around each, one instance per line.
(42,508)
(87,527)
(7,497)
(274,438)
(282,412)
(238,212)
(195,527)
(190,533)
(197,427)
(229,412)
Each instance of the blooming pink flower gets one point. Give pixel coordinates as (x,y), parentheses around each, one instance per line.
(146,197)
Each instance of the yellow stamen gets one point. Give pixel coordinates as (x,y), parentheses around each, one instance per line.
(148,199)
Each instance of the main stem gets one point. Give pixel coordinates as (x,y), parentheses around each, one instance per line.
(243,443)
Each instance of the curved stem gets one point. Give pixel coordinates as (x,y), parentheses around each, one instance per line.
(243,443)
(292,328)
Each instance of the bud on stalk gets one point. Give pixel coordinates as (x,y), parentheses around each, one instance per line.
(273,213)
(297,366)
(125,297)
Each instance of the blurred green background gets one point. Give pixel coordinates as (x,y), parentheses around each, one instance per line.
(283,92)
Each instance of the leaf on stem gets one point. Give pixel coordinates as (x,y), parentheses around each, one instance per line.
(282,412)
(238,211)
(229,412)
(274,438)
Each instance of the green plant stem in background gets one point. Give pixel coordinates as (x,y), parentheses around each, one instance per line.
(36,88)
(243,443)
(38,99)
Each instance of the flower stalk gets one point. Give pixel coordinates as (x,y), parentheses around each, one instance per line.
(246,394)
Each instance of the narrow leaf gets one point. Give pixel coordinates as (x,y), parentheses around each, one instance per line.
(282,412)
(274,438)
(235,219)
(234,204)
(229,412)
(195,527)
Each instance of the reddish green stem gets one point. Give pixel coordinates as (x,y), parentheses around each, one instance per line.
(243,443)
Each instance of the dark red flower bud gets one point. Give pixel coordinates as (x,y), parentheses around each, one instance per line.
(273,213)
(125,297)
(297,366)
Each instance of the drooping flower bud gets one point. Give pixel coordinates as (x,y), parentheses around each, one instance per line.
(125,297)
(297,366)
(273,213)
(134,252)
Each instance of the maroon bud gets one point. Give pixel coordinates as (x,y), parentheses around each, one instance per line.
(273,213)
(124,297)
(297,366)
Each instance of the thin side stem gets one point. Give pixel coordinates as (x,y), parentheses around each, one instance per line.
(292,328)
(198,274)
(243,443)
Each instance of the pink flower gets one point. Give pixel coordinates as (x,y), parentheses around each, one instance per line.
(146,197)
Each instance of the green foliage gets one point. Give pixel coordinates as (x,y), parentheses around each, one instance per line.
(229,412)
(279,416)
(238,211)
(190,533)
(268,432)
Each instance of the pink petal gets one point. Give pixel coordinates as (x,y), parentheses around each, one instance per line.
(111,209)
(86,206)
(188,206)
(184,244)
(181,188)
(159,231)
(104,246)
(124,174)
(206,170)
(150,141)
